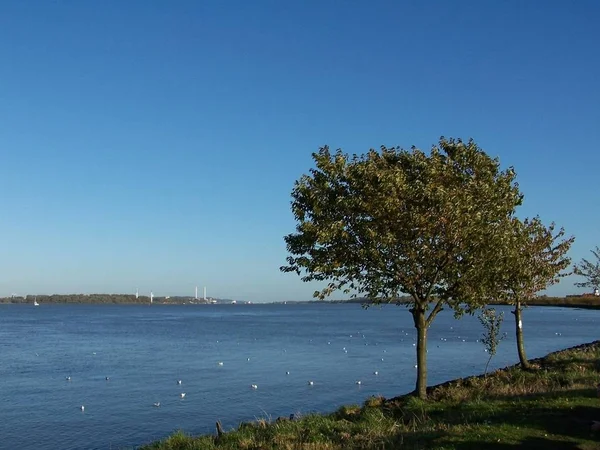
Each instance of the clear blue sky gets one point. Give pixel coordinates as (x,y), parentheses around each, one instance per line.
(155,144)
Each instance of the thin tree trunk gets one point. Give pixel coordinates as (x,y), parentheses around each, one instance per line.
(519,329)
(421,326)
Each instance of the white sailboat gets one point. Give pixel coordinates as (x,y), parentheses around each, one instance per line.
(35,302)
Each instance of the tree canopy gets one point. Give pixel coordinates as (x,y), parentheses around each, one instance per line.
(536,258)
(589,270)
(396,221)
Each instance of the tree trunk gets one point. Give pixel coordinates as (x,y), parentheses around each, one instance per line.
(520,344)
(421,326)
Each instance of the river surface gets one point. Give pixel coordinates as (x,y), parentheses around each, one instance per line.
(218,352)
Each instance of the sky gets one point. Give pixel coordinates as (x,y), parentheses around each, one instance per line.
(154,145)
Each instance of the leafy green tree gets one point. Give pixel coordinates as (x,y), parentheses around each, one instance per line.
(491,322)
(536,256)
(589,270)
(398,221)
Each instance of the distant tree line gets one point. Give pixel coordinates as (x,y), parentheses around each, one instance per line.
(94,298)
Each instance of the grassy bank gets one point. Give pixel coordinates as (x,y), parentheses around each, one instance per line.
(550,407)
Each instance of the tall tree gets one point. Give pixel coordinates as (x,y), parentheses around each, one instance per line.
(536,257)
(398,221)
(589,270)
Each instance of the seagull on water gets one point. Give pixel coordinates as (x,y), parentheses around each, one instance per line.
(220,363)
(359,382)
(68,378)
(157,404)
(82,408)
(182,395)
(375,373)
(178,381)
(310,383)
(254,386)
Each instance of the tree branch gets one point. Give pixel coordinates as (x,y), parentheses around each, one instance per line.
(436,309)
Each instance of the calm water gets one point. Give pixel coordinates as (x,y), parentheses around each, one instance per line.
(144,350)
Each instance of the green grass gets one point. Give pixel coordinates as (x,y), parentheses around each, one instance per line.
(549,407)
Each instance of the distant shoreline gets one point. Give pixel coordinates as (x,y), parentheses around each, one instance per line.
(584,301)
(112,299)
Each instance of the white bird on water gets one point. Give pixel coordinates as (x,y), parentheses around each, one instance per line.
(220,363)
(68,378)
(375,373)
(157,404)
(178,381)
(359,382)
(288,372)
(82,408)
(310,383)
(182,395)
(254,386)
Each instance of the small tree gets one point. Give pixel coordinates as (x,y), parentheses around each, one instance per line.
(536,256)
(589,270)
(397,221)
(491,322)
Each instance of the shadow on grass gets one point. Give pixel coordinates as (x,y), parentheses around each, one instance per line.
(573,422)
(568,425)
(534,443)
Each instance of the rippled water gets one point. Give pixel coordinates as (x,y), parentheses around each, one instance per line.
(144,350)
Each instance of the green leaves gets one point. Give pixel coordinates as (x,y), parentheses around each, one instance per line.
(395,221)
(534,256)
